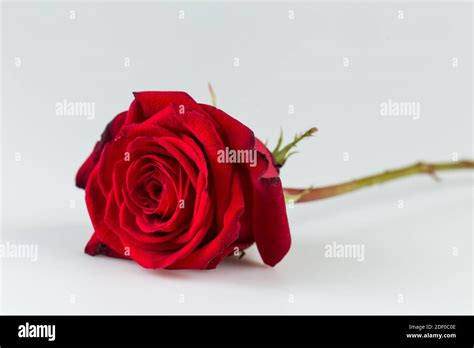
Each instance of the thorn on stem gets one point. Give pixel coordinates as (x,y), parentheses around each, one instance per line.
(430,170)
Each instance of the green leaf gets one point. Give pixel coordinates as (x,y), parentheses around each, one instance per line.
(281,155)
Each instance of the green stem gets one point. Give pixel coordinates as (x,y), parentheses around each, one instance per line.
(299,195)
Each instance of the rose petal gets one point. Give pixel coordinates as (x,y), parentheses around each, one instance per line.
(271,229)
(202,257)
(111,130)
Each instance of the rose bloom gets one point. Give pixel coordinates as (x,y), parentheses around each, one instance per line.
(157,193)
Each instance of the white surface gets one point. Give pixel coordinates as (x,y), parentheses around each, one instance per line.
(408,251)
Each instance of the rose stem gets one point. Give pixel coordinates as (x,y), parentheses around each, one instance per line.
(300,195)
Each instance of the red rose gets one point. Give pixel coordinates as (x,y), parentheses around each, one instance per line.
(159,193)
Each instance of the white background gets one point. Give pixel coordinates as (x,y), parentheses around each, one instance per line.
(418,259)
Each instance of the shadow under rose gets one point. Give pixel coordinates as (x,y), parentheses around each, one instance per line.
(245,261)
(229,263)
(249,271)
